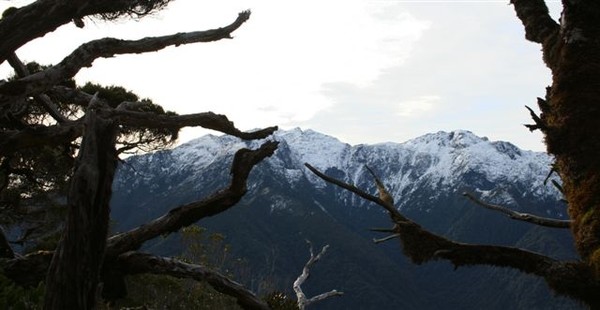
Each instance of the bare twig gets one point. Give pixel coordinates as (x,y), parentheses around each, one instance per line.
(135,262)
(526,217)
(302,300)
(384,239)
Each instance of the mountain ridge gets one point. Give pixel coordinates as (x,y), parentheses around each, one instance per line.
(287,204)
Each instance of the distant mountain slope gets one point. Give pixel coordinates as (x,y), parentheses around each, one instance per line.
(286,204)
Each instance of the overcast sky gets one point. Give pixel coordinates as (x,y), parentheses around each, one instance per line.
(362,71)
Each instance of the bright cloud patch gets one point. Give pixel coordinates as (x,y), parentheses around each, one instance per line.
(417,106)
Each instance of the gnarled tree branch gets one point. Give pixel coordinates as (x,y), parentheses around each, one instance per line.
(526,217)
(13,140)
(42,99)
(573,279)
(44,16)
(135,262)
(188,214)
(85,55)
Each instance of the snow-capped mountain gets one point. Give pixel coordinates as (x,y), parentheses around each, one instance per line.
(286,204)
(439,162)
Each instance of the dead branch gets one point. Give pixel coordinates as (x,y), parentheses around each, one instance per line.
(538,122)
(526,217)
(85,55)
(208,120)
(135,262)
(573,279)
(188,214)
(303,301)
(384,195)
(355,190)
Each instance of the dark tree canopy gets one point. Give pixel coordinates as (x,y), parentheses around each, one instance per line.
(60,145)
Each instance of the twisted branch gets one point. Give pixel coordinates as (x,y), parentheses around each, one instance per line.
(573,279)
(85,55)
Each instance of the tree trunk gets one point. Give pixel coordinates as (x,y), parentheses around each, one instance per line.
(571,119)
(74,272)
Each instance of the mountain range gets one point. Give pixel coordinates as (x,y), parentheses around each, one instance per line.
(286,204)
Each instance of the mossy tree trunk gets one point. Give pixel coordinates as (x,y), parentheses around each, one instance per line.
(571,109)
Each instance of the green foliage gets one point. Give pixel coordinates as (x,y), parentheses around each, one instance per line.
(14,297)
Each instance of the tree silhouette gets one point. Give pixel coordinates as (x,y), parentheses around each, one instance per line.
(64,142)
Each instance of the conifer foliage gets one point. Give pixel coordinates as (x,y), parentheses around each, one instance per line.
(60,144)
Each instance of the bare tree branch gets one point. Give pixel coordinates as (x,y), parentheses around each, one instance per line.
(526,217)
(85,55)
(188,214)
(303,301)
(42,99)
(182,216)
(44,16)
(355,190)
(574,279)
(208,120)
(13,140)
(135,262)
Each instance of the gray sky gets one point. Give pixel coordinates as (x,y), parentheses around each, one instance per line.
(362,71)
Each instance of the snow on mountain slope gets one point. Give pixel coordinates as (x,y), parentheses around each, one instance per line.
(439,161)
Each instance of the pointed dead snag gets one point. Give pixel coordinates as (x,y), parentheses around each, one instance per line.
(302,300)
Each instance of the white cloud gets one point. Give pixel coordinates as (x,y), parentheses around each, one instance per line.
(417,105)
(409,67)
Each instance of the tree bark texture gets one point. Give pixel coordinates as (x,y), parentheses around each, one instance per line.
(571,110)
(75,268)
